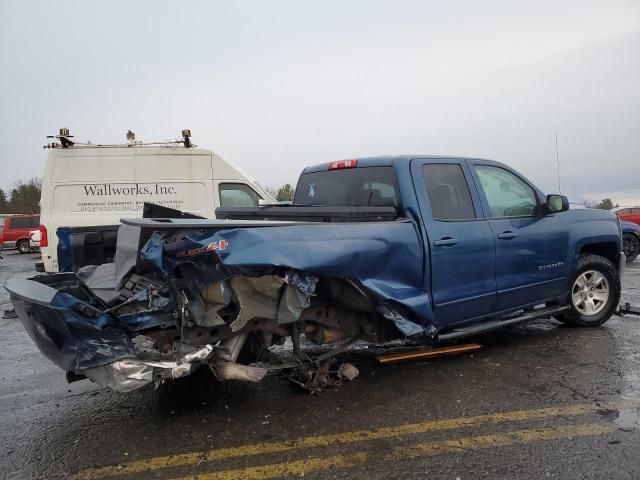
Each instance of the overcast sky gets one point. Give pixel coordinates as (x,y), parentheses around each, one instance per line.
(277,85)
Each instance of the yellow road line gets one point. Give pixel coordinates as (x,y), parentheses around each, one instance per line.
(312,465)
(168,461)
(297,468)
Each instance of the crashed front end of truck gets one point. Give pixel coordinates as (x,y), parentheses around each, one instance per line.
(184,294)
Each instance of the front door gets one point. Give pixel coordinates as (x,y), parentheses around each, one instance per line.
(461,243)
(532,249)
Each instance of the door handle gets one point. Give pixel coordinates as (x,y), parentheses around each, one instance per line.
(445,242)
(507,235)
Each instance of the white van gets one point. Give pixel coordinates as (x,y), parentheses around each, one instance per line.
(91,185)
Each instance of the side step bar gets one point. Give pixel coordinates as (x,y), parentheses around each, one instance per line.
(496,324)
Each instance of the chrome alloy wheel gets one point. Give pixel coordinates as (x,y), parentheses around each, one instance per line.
(590,293)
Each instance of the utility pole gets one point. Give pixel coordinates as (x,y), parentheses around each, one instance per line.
(557,161)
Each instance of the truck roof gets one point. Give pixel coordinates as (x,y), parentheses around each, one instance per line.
(390,160)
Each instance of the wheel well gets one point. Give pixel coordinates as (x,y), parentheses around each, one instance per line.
(608,250)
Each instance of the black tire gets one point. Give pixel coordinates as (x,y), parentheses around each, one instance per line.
(593,263)
(631,246)
(23,246)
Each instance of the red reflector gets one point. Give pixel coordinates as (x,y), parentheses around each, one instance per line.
(44,241)
(343,164)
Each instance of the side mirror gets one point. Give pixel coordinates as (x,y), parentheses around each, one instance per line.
(556,203)
(262,202)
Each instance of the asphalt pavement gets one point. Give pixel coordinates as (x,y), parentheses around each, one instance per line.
(537,401)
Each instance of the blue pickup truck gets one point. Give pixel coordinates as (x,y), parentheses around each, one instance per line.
(371,249)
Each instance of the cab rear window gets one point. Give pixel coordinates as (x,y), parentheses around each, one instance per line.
(362,187)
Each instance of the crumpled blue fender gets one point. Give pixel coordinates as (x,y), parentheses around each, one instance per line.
(69,339)
(386,258)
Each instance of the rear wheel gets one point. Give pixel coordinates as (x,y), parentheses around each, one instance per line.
(631,246)
(23,246)
(595,292)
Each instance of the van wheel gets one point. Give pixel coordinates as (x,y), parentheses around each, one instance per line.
(23,246)
(595,292)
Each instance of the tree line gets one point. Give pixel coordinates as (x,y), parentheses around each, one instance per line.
(283,193)
(604,204)
(23,197)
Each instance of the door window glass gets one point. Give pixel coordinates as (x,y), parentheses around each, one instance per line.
(635,210)
(237,195)
(508,195)
(448,192)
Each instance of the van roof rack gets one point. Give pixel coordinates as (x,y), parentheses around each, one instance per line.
(65,141)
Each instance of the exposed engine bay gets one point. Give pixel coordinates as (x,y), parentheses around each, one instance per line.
(231,325)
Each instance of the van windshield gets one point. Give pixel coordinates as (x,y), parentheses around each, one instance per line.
(363,186)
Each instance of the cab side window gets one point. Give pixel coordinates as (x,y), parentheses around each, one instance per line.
(237,195)
(448,192)
(20,222)
(507,195)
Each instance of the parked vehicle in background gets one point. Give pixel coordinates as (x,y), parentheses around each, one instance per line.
(89,186)
(629,214)
(15,232)
(630,239)
(379,249)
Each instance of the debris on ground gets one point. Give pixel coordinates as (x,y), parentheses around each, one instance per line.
(9,314)
(433,352)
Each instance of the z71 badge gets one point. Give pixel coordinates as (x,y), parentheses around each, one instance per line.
(212,247)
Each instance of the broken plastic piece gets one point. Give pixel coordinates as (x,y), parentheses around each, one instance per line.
(348,371)
(237,371)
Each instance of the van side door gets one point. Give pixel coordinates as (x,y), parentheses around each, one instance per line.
(532,249)
(460,241)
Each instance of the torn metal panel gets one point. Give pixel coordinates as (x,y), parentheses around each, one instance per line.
(122,376)
(127,245)
(304,282)
(292,303)
(385,259)
(257,297)
(407,327)
(130,374)
(98,276)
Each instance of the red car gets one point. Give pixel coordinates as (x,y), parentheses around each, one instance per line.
(16,231)
(630,214)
